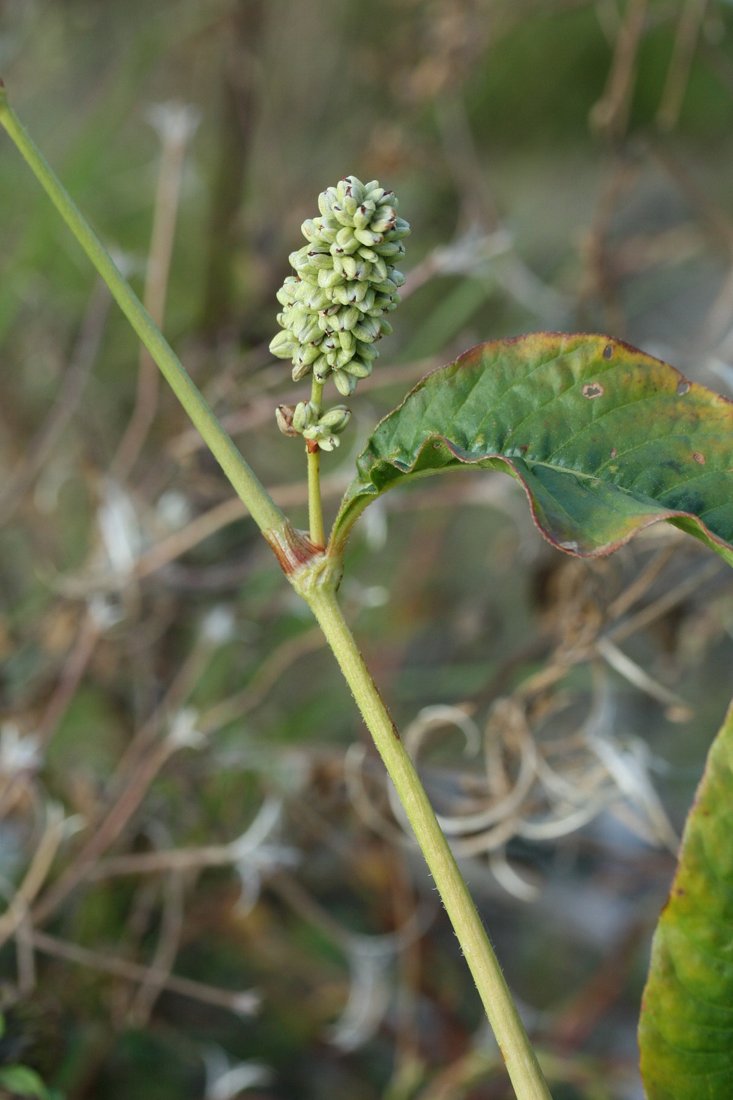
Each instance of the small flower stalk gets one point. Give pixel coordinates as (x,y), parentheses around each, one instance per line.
(335,305)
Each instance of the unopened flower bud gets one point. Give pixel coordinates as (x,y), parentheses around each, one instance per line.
(335,419)
(345,383)
(304,416)
(282,345)
(284,420)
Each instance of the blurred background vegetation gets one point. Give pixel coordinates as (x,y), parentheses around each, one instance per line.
(208,893)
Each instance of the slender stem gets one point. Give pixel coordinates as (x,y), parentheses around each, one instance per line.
(315,504)
(264,511)
(317,586)
(520,1059)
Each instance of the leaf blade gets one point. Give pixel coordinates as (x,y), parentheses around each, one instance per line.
(686,1025)
(604,439)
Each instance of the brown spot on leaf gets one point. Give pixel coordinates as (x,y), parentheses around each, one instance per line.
(608,351)
(683,387)
(593,389)
(614,452)
(699,458)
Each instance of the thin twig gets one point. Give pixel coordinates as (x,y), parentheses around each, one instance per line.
(665,602)
(35,876)
(165,953)
(38,450)
(263,680)
(72,673)
(106,832)
(678,74)
(611,112)
(165,215)
(243,1003)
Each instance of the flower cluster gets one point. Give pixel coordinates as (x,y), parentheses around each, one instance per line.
(334,306)
(323,428)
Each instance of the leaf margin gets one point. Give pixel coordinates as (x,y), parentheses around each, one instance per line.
(361,492)
(667,1001)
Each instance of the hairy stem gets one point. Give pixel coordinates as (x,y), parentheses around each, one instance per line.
(264,511)
(520,1059)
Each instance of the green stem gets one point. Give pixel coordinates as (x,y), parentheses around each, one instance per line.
(316,582)
(315,504)
(520,1059)
(264,511)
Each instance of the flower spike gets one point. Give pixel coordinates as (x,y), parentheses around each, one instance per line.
(345,282)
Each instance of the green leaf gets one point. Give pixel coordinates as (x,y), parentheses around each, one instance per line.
(23,1081)
(604,439)
(686,1027)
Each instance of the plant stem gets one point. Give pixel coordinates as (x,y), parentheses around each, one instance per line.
(316,582)
(264,511)
(315,504)
(520,1059)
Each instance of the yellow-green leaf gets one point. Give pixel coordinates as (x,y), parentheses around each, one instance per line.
(686,1027)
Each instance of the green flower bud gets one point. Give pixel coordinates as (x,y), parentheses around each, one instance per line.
(335,419)
(310,331)
(314,298)
(361,218)
(401,229)
(345,383)
(385,221)
(354,188)
(327,442)
(287,292)
(367,236)
(348,318)
(343,355)
(316,260)
(328,279)
(348,266)
(304,417)
(283,345)
(367,329)
(310,229)
(340,214)
(389,249)
(357,369)
(306,355)
(373,191)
